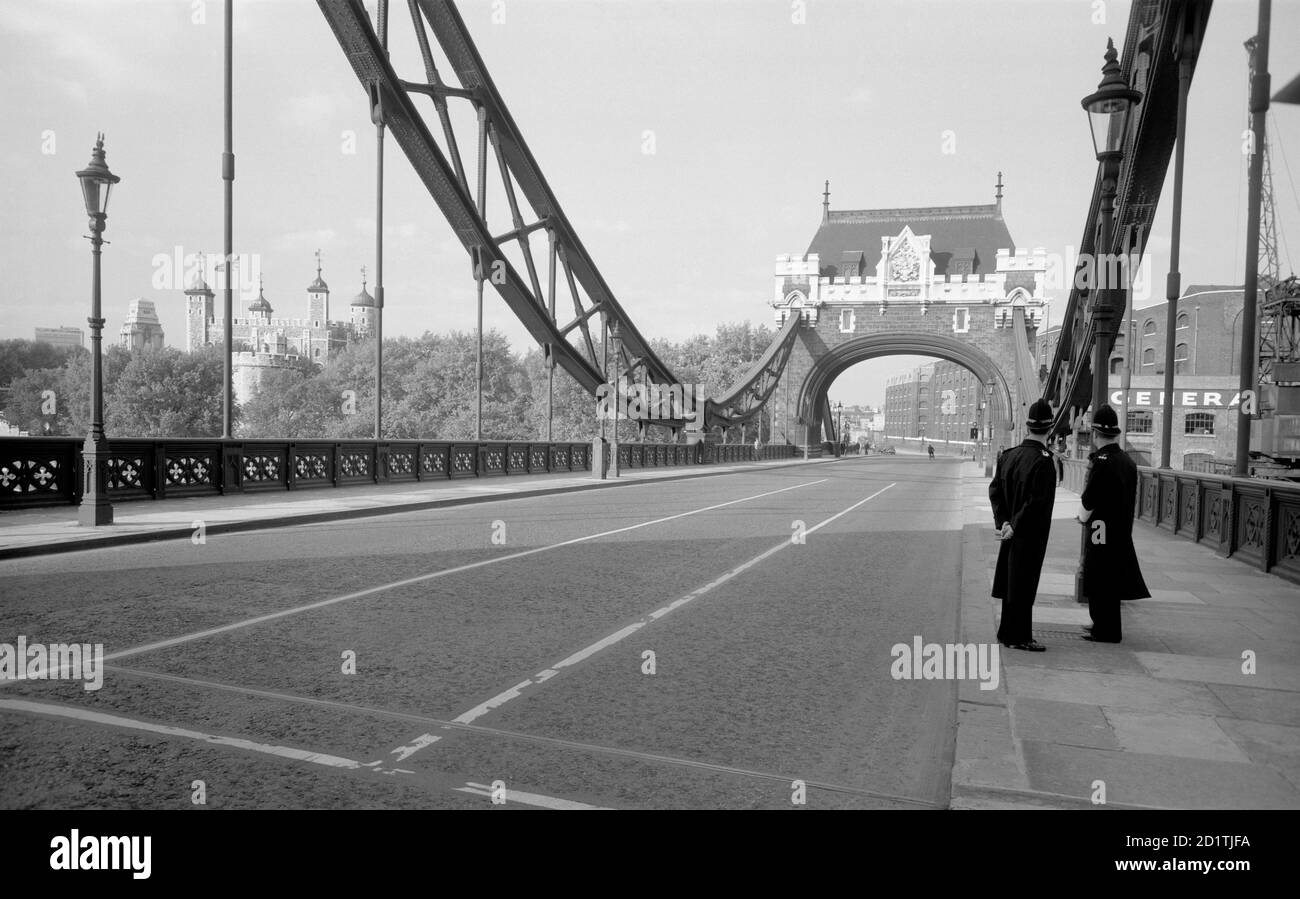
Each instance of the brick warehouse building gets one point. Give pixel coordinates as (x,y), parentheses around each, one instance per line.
(1206,371)
(939,401)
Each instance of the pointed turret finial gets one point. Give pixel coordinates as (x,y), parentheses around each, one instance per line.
(317,262)
(999,192)
(363,277)
(826,202)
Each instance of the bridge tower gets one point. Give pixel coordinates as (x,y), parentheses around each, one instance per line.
(943,281)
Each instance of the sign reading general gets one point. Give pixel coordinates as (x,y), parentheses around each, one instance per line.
(1187,399)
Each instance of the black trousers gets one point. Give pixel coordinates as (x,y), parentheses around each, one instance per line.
(1105,618)
(1015,582)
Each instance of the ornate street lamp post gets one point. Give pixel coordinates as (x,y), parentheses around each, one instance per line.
(96,185)
(1108,111)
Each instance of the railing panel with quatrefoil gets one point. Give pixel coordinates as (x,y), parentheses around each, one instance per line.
(38,471)
(1148,483)
(1213,510)
(464,460)
(129,470)
(313,465)
(401,464)
(356,463)
(435,460)
(492,458)
(1252,525)
(1167,488)
(265,466)
(517,458)
(1286,536)
(191,469)
(1186,496)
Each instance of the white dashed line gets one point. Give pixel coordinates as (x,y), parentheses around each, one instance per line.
(583,654)
(419,579)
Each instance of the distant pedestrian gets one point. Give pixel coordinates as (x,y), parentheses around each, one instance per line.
(1022,493)
(1059,457)
(758,449)
(931,449)
(1110,564)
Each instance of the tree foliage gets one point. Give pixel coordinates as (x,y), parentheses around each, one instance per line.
(429,389)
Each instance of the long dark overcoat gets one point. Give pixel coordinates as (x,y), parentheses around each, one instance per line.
(1022,492)
(1110,564)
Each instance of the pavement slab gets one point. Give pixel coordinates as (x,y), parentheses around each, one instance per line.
(1165,719)
(1156,780)
(1269,674)
(1185,736)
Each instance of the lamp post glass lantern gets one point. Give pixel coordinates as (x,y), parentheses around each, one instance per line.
(1109,106)
(96,187)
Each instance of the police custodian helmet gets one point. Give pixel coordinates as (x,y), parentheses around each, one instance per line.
(1105,422)
(1040,417)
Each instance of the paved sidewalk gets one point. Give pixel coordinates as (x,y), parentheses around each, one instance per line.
(1167,718)
(54,529)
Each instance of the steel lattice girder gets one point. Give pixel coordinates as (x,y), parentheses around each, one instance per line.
(449,188)
(744,400)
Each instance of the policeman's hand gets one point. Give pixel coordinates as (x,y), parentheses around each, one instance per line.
(1006,532)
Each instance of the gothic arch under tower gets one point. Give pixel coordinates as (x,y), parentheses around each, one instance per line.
(812,397)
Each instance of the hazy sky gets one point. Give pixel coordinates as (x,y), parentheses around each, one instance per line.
(750,112)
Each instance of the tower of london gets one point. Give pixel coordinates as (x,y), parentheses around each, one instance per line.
(262,341)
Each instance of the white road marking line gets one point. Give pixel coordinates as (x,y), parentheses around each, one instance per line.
(288,752)
(410,749)
(556,742)
(459,569)
(536,799)
(604,643)
(849,509)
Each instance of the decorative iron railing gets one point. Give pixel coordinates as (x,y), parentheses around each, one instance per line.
(1253,519)
(42,471)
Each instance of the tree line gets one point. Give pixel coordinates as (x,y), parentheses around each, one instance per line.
(429,389)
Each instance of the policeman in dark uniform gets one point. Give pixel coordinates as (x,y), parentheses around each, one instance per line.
(1110,564)
(1022,493)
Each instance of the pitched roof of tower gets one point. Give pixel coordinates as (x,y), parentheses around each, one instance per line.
(197,283)
(260,304)
(952,229)
(364,298)
(318,284)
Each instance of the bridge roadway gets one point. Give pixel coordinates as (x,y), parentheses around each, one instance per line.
(521,663)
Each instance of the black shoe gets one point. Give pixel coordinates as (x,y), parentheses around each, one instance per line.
(1091,639)
(1031,646)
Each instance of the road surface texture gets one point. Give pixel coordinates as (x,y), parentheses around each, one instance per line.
(665,645)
